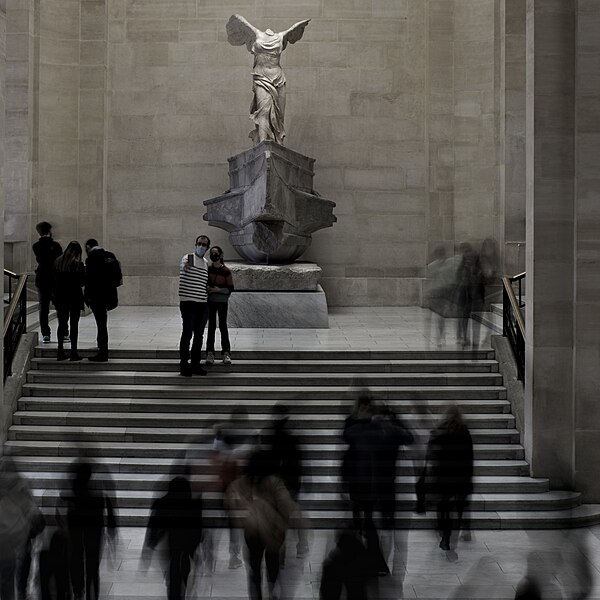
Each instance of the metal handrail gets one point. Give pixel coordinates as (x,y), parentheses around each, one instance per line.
(14,302)
(15,323)
(506,281)
(513,323)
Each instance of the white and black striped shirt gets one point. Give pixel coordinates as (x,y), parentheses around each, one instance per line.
(192,281)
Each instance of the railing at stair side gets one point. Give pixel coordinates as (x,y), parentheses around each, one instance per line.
(15,317)
(513,321)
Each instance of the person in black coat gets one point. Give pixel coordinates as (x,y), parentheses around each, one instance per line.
(89,512)
(449,470)
(287,459)
(469,294)
(176,517)
(67,294)
(46,251)
(103,277)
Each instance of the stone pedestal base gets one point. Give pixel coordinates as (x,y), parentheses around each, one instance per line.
(277,296)
(284,310)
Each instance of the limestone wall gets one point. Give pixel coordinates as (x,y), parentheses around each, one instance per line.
(141,102)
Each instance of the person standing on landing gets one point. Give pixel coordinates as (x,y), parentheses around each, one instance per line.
(102,278)
(220,286)
(193,304)
(67,295)
(46,251)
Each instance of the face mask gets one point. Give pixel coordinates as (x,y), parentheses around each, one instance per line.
(200,250)
(214,257)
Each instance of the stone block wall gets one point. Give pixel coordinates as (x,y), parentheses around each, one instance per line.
(137,104)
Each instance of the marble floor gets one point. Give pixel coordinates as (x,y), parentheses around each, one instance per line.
(351,328)
(489,566)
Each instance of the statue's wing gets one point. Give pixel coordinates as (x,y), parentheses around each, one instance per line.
(240,32)
(294,33)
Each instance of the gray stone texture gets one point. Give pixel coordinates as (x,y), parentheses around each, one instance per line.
(563,260)
(125,112)
(282,310)
(299,276)
(271,208)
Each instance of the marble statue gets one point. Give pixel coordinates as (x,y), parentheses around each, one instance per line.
(268,105)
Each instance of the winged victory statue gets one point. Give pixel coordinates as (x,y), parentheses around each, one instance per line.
(268,104)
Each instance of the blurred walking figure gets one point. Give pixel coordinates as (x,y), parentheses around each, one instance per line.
(364,438)
(67,294)
(268,506)
(345,569)
(389,434)
(231,448)
(20,520)
(46,251)
(287,457)
(89,513)
(176,519)
(449,472)
(440,282)
(469,294)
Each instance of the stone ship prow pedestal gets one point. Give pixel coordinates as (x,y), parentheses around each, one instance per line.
(270,212)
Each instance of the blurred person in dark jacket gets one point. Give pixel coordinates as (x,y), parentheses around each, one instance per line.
(449,472)
(89,513)
(287,457)
(176,519)
(46,251)
(469,294)
(68,279)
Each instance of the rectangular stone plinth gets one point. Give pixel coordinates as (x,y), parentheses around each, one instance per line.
(284,310)
(298,276)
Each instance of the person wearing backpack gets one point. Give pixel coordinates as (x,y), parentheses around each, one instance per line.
(102,278)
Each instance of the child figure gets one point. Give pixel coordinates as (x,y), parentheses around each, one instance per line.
(220,286)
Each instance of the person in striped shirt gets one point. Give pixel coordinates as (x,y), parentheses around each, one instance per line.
(193,304)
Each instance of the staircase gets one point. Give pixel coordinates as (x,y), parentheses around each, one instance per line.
(137,417)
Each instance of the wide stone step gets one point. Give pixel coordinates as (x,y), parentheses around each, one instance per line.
(280,366)
(296,355)
(500,484)
(319,466)
(580,516)
(194,388)
(308,406)
(150,420)
(324,380)
(334,502)
(158,435)
(33,449)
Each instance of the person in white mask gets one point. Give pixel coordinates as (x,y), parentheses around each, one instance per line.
(193,303)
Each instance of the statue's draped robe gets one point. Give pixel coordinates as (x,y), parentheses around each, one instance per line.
(268,86)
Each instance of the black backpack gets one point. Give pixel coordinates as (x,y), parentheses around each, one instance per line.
(112,271)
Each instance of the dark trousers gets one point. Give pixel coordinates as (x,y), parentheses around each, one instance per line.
(101,315)
(445,505)
(68,316)
(86,545)
(193,317)
(44,298)
(256,551)
(217,309)
(179,571)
